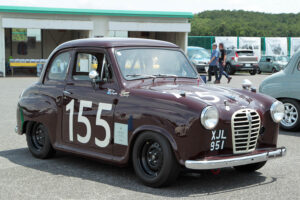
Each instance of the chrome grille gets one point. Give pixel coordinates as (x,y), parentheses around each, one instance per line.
(245,125)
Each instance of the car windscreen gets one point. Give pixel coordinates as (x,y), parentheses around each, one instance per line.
(198,54)
(245,53)
(145,63)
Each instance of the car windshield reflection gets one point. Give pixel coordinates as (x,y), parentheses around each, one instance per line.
(153,63)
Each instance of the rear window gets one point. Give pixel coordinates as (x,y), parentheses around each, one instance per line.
(245,53)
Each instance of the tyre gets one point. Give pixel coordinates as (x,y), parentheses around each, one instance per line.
(291,119)
(274,70)
(251,167)
(154,161)
(253,72)
(258,71)
(38,141)
(229,69)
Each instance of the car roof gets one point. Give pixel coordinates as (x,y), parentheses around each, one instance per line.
(116,42)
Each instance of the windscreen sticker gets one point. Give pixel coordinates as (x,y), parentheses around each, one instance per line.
(121,134)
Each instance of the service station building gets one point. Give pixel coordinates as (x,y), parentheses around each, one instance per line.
(29,34)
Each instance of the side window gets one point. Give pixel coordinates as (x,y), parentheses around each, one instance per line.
(263,59)
(86,62)
(59,66)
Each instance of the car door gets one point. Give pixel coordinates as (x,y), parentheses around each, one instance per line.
(269,64)
(262,64)
(88,112)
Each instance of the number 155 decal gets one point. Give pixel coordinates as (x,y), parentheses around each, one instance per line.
(82,119)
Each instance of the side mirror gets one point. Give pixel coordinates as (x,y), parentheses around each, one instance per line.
(93,75)
(246,84)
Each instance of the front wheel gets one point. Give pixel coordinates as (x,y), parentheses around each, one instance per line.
(154,161)
(274,70)
(250,167)
(291,119)
(38,141)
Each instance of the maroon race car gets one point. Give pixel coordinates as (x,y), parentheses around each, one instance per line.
(142,101)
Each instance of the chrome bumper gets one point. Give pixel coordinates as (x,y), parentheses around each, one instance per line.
(231,162)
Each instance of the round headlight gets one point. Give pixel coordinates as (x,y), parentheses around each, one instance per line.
(277,111)
(210,117)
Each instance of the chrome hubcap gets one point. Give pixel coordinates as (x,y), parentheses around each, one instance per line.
(290,115)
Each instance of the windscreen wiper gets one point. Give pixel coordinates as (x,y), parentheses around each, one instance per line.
(166,76)
(141,75)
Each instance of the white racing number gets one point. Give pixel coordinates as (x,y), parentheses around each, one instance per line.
(82,119)
(217,140)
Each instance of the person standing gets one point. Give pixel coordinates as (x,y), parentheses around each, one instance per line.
(222,63)
(213,63)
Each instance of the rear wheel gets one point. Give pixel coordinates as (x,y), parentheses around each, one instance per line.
(258,71)
(229,69)
(252,72)
(38,141)
(154,161)
(251,167)
(291,119)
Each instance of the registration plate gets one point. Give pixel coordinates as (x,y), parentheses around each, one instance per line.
(247,65)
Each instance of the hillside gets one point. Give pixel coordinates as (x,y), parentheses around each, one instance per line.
(244,23)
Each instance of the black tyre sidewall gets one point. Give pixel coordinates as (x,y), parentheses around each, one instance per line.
(296,126)
(229,69)
(46,151)
(170,168)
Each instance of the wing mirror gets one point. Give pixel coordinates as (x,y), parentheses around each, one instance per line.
(93,75)
(246,84)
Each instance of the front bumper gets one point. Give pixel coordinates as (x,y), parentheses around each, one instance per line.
(235,161)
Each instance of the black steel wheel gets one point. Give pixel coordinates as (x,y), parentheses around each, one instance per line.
(38,141)
(153,160)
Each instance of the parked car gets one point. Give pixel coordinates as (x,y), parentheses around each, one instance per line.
(285,86)
(272,63)
(199,57)
(241,60)
(145,103)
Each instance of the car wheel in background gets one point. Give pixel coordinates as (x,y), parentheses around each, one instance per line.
(252,72)
(251,167)
(291,119)
(154,161)
(229,69)
(258,70)
(274,70)
(38,141)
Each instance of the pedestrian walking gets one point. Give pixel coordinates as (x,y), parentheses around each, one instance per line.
(222,63)
(213,64)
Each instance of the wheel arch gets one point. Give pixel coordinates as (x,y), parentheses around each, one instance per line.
(163,132)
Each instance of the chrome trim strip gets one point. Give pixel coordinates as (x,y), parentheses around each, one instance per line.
(231,162)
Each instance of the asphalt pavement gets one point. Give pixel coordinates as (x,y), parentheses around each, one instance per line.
(70,177)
